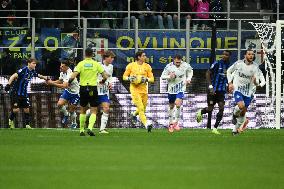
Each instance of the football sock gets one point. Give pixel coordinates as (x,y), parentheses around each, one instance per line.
(104,120)
(171,116)
(92,121)
(218,118)
(27,118)
(64,110)
(12,116)
(209,120)
(177,114)
(82,122)
(73,117)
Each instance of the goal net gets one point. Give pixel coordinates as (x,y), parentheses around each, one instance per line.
(271,37)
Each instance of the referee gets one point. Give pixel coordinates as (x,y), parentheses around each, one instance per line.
(217,78)
(88,69)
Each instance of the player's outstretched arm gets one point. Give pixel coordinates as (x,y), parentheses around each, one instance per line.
(73,76)
(58,83)
(43,77)
(11,79)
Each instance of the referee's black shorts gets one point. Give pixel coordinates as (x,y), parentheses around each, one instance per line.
(217,97)
(89,95)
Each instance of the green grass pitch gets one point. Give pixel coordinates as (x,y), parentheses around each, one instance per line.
(135,159)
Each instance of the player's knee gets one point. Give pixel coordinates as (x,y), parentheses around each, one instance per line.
(178,103)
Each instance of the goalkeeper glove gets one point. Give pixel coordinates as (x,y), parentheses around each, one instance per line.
(144,79)
(132,79)
(7,87)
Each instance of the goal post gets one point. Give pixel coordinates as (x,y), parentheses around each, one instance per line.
(278,41)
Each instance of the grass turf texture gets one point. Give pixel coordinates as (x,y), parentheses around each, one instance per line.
(133,158)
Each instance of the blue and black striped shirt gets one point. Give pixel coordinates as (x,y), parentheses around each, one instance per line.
(219,75)
(24,77)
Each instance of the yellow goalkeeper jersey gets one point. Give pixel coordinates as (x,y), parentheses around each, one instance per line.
(138,70)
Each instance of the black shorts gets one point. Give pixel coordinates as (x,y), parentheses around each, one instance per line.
(19,101)
(212,99)
(89,95)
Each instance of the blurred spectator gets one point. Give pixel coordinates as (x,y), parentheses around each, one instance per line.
(200,7)
(266,4)
(185,6)
(136,5)
(111,6)
(241,4)
(6,5)
(166,6)
(95,7)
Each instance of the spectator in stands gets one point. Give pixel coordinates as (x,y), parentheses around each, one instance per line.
(164,6)
(5,5)
(93,6)
(185,6)
(112,5)
(241,4)
(200,6)
(136,5)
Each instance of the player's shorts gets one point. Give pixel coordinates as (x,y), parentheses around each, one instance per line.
(70,97)
(20,101)
(104,98)
(89,95)
(217,97)
(172,97)
(240,97)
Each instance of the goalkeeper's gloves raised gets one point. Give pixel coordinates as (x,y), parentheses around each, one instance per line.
(144,79)
(7,87)
(132,79)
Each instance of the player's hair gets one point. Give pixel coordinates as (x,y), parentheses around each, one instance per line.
(30,60)
(178,56)
(249,49)
(89,52)
(138,53)
(66,62)
(108,53)
(228,52)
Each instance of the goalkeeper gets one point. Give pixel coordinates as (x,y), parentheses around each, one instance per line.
(139,74)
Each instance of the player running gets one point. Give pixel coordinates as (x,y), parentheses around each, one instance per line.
(242,83)
(139,73)
(19,92)
(70,94)
(178,74)
(217,79)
